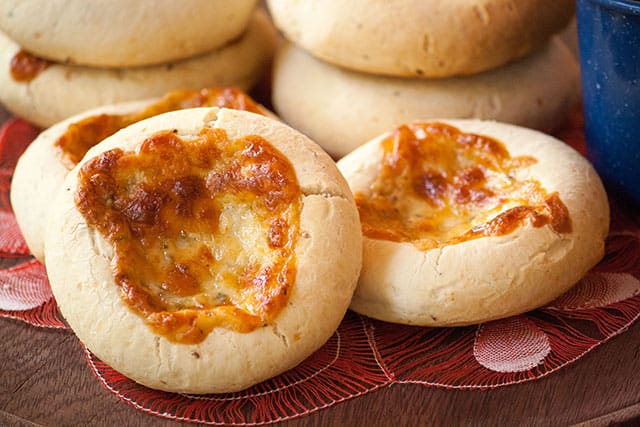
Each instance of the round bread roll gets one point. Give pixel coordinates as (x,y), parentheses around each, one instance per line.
(341,109)
(60,91)
(435,38)
(123,33)
(43,166)
(467,221)
(191,251)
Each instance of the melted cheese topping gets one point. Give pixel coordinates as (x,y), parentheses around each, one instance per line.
(438,186)
(203,230)
(84,134)
(25,66)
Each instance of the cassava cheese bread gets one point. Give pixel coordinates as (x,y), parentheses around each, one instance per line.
(43,166)
(122,33)
(46,93)
(466,221)
(204,250)
(417,38)
(341,109)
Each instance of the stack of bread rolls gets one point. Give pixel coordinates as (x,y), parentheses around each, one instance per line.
(61,57)
(356,69)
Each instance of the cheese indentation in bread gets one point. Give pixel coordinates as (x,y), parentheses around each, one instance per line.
(84,134)
(203,229)
(25,66)
(438,186)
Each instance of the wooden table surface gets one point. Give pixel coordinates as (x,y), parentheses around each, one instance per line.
(45,380)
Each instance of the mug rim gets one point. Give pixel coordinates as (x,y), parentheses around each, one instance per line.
(624,6)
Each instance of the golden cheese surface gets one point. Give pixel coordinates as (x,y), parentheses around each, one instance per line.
(203,230)
(438,186)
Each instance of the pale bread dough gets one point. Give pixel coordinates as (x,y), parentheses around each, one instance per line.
(60,91)
(341,109)
(417,38)
(123,33)
(328,263)
(490,277)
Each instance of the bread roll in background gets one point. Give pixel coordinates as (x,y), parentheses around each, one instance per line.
(123,33)
(342,109)
(416,38)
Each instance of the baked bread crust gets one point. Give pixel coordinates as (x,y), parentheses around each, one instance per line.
(60,91)
(492,277)
(435,38)
(312,96)
(329,246)
(123,33)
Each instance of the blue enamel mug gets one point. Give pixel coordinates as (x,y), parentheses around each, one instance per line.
(609,40)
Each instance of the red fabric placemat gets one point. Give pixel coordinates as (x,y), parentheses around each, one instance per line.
(364,355)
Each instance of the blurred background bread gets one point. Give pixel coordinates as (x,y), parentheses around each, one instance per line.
(372,65)
(45,91)
(123,33)
(416,38)
(341,109)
